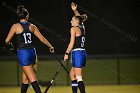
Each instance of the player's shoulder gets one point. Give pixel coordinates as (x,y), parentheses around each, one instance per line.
(32,25)
(15,25)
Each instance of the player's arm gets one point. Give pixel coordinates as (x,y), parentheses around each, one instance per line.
(72,39)
(10,34)
(74,8)
(71,44)
(40,36)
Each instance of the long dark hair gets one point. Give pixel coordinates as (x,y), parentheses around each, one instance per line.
(22,12)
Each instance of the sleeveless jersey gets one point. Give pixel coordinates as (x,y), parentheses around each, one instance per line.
(80,40)
(25,37)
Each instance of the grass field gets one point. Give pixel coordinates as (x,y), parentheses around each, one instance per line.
(102,73)
(97,71)
(89,89)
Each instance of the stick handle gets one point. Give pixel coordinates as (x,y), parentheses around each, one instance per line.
(49,85)
(61,63)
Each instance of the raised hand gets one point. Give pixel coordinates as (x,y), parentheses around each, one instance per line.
(73,6)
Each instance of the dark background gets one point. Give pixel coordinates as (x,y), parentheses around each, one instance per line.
(52,17)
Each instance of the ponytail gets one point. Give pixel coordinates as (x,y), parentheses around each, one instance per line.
(81,18)
(84,17)
(22,12)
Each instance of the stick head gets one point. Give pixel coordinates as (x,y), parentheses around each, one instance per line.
(9,48)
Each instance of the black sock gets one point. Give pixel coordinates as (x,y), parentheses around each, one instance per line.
(24,87)
(36,87)
(81,86)
(74,86)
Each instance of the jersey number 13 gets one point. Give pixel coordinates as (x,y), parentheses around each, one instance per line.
(27,38)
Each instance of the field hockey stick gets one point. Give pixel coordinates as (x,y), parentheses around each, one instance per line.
(61,63)
(55,75)
(10,49)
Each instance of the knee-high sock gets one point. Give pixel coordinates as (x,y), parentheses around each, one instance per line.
(74,86)
(81,86)
(36,87)
(24,87)
(80,83)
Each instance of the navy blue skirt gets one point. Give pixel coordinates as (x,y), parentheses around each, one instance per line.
(79,58)
(26,56)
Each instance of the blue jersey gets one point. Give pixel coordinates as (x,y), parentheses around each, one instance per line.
(80,40)
(79,54)
(26,52)
(25,37)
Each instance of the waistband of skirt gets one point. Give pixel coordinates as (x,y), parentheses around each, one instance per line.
(78,49)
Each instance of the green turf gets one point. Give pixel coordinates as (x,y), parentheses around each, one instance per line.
(97,71)
(89,89)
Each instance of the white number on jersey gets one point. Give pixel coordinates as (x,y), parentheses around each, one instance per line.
(83,42)
(27,38)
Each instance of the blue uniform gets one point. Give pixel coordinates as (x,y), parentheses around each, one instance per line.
(79,53)
(26,56)
(26,52)
(78,58)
